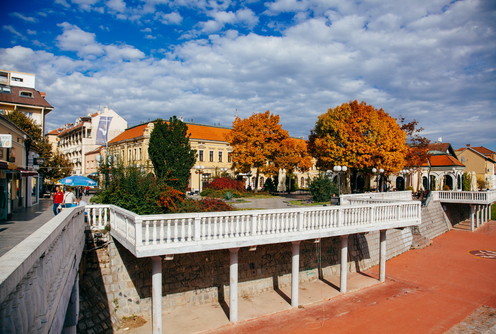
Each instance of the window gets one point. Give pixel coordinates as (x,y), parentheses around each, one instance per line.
(220,156)
(17,79)
(25,94)
(200,155)
(211,156)
(29,114)
(5,89)
(229,157)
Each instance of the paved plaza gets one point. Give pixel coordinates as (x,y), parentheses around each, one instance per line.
(449,286)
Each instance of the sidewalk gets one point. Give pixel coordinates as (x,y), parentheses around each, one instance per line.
(428,290)
(24,222)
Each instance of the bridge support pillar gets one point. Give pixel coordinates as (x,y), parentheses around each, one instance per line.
(156,294)
(478,215)
(344,264)
(295,272)
(233,285)
(382,256)
(472,218)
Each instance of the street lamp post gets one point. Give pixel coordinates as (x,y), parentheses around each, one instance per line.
(375,170)
(199,170)
(339,169)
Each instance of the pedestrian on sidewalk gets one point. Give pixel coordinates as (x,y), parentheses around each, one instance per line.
(69,198)
(58,198)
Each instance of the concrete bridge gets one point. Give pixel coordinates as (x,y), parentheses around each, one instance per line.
(39,277)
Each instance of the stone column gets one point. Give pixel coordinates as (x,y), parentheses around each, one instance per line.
(344,264)
(477,210)
(295,272)
(472,214)
(156,294)
(382,256)
(233,285)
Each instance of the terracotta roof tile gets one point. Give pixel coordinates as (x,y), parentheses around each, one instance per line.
(443,161)
(13,97)
(208,132)
(483,150)
(197,131)
(134,132)
(442,147)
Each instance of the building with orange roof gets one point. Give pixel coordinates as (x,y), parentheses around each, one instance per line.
(86,134)
(442,170)
(213,153)
(481,161)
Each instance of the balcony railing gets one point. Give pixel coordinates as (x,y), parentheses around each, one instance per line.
(468,197)
(151,235)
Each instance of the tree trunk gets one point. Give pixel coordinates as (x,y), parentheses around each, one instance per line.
(256,181)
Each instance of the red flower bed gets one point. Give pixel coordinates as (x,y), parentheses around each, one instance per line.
(222,183)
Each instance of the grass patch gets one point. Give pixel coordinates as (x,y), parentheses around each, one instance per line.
(307,203)
(493,212)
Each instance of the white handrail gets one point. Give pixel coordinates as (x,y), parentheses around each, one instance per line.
(177,233)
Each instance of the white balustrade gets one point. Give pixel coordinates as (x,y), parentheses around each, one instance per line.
(151,235)
(469,197)
(37,275)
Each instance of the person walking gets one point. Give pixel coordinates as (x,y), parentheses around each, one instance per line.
(69,198)
(58,198)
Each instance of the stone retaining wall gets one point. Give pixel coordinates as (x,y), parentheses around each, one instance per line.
(197,278)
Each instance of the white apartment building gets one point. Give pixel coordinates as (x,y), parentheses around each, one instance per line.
(86,135)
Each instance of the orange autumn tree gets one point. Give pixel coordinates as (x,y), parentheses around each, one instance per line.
(255,141)
(293,156)
(360,137)
(418,149)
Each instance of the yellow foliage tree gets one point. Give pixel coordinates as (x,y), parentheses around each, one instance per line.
(293,156)
(360,137)
(255,142)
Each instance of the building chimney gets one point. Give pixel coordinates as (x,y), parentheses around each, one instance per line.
(43,94)
(468,145)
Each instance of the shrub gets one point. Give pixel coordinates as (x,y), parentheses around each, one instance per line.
(322,188)
(222,183)
(214,204)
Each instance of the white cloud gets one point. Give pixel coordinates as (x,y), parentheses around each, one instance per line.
(430,61)
(24,18)
(117,5)
(13,31)
(170,18)
(85,45)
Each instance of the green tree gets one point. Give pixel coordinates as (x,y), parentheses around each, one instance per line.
(55,166)
(322,188)
(171,153)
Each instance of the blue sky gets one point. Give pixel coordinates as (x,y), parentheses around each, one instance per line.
(207,61)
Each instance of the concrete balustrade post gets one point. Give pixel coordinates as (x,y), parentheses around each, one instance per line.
(295,272)
(233,285)
(344,264)
(156,294)
(472,214)
(382,256)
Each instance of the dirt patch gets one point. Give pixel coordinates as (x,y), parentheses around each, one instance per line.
(483,320)
(134,321)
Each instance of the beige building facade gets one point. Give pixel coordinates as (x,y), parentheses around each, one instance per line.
(480,160)
(213,154)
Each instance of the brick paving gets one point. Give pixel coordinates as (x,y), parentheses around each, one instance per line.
(428,290)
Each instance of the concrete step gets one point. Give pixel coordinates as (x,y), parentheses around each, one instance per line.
(419,241)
